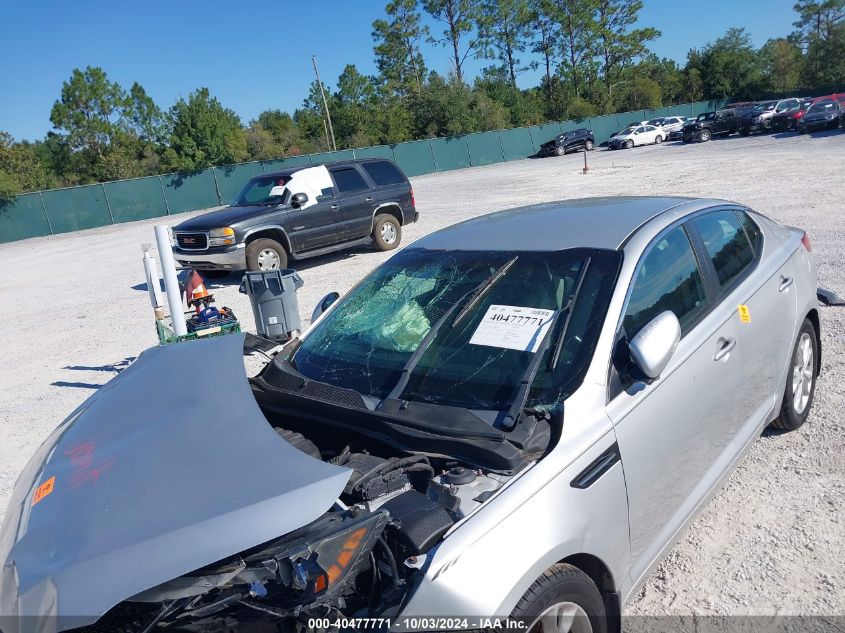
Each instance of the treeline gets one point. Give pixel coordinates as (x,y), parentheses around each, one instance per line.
(593,58)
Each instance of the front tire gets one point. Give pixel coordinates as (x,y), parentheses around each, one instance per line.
(800,380)
(704,136)
(562,600)
(589,146)
(387,232)
(560,151)
(266,254)
(629,144)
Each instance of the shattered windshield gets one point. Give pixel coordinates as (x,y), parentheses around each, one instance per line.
(257,191)
(481,349)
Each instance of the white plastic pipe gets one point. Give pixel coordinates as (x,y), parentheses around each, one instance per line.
(153,279)
(171,283)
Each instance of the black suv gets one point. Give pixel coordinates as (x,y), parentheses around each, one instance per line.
(567,142)
(352,203)
(710,124)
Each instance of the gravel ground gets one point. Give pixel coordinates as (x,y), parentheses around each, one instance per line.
(771,542)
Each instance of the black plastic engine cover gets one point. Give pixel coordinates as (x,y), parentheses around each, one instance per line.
(421,521)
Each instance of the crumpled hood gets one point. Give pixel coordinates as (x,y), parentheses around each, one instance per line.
(169,467)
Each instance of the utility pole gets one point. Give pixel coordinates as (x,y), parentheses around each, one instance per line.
(325,103)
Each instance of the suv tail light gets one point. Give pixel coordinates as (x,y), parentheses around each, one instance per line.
(805,240)
(413,200)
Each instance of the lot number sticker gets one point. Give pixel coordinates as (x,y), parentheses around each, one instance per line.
(513,327)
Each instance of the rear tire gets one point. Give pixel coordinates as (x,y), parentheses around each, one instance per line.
(658,140)
(800,380)
(561,600)
(589,146)
(387,232)
(266,254)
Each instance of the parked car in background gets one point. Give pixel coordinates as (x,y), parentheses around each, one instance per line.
(574,140)
(759,118)
(788,119)
(641,135)
(631,126)
(532,404)
(825,114)
(673,125)
(355,202)
(658,122)
(710,124)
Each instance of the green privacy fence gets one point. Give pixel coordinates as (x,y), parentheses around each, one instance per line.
(75,208)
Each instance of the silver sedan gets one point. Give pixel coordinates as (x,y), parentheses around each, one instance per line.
(513,417)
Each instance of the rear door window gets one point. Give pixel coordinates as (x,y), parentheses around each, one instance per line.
(348,180)
(727,244)
(668,278)
(384,173)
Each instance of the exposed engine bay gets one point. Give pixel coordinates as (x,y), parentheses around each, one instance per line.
(360,558)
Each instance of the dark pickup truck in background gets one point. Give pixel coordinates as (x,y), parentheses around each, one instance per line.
(710,124)
(369,201)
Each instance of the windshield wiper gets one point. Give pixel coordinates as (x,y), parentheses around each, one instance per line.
(476,294)
(483,289)
(530,373)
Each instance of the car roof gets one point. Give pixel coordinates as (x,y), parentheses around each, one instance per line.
(292,170)
(604,223)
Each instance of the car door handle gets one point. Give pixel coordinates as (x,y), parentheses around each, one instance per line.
(369,198)
(785,283)
(726,346)
(335,206)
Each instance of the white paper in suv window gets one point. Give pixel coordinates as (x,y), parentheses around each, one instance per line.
(513,327)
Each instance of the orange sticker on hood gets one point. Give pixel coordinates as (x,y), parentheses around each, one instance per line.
(44,489)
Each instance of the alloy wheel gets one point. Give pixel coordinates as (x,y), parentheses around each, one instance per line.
(802,373)
(563,617)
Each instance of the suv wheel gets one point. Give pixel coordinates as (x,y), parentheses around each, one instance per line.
(387,232)
(562,600)
(589,145)
(266,254)
(704,136)
(560,151)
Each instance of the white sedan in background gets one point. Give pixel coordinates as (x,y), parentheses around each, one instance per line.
(642,135)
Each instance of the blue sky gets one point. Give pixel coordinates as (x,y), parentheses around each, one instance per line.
(256,55)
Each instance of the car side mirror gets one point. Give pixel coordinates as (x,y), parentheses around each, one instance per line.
(298,199)
(652,348)
(324,304)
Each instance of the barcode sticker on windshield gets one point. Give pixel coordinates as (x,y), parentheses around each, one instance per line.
(513,327)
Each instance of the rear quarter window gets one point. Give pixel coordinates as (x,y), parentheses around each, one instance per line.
(348,180)
(384,173)
(727,244)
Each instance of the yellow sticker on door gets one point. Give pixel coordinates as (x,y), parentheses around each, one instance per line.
(744,314)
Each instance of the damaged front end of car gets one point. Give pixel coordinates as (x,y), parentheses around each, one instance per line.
(196,511)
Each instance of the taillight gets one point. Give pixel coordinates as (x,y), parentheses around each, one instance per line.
(805,240)
(413,200)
